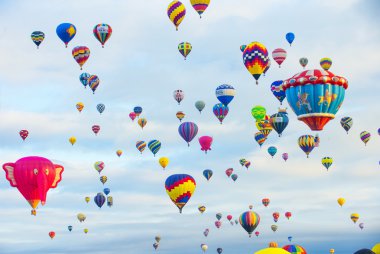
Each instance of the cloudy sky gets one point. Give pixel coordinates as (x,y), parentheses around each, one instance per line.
(140,65)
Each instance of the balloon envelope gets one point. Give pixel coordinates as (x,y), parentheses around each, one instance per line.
(180,188)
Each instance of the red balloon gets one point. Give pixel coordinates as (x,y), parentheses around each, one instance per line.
(96,129)
(132,115)
(257,233)
(266,201)
(33,176)
(205,142)
(24,134)
(52,234)
(229,217)
(276,215)
(229,171)
(288,215)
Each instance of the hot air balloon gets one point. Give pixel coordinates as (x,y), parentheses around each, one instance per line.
(38,37)
(376,248)
(346,123)
(100,107)
(70,228)
(315,96)
(364,251)
(332,251)
(109,201)
(180,188)
(325,63)
(290,238)
(247,164)
(276,216)
(176,13)
(155,246)
(87,199)
(85,230)
(95,129)
(225,94)
(205,142)
(132,115)
(154,146)
(306,143)
(234,177)
(279,121)
(272,250)
(229,171)
(106,191)
(303,62)
(178,96)
(219,250)
(258,112)
(66,32)
(250,207)
(33,176)
(200,6)
(290,37)
(137,110)
(274,228)
(229,217)
(257,233)
(93,82)
(188,131)
(140,145)
(265,201)
(164,162)
(201,208)
(365,136)
(99,166)
(79,106)
(295,249)
(184,48)
(81,54)
(354,217)
(242,48)
(361,226)
(24,134)
(272,150)
(288,215)
(274,245)
(242,161)
(102,33)
(341,201)
(285,156)
(83,78)
(72,140)
(218,216)
(204,247)
(103,179)
(279,55)
(119,153)
(218,224)
(278,90)
(220,111)
(200,105)
(99,199)
(180,115)
(327,162)
(255,58)
(260,138)
(81,217)
(52,234)
(142,122)
(207,173)
(157,238)
(249,221)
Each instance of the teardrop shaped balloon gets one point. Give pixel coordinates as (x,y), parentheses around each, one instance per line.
(207,173)
(95,129)
(288,215)
(188,131)
(290,38)
(66,32)
(202,209)
(218,216)
(200,105)
(99,199)
(81,54)
(365,136)
(327,162)
(225,93)
(265,201)
(72,140)
(102,33)
(325,63)
(278,91)
(142,122)
(249,221)
(93,82)
(52,234)
(220,111)
(79,106)
(185,48)
(38,37)
(260,138)
(178,96)
(164,162)
(354,217)
(83,78)
(154,146)
(180,188)
(200,6)
(106,191)
(24,134)
(346,123)
(303,62)
(180,115)
(132,115)
(272,150)
(119,153)
(279,55)
(140,145)
(276,216)
(279,121)
(341,201)
(99,166)
(242,48)
(234,177)
(218,224)
(285,156)
(100,107)
(176,13)
(274,228)
(70,228)
(103,179)
(306,143)
(137,110)
(255,58)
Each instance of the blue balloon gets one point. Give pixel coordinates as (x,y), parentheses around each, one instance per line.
(66,32)
(225,93)
(106,191)
(100,107)
(272,150)
(278,91)
(279,121)
(207,173)
(290,38)
(290,238)
(83,78)
(137,110)
(99,199)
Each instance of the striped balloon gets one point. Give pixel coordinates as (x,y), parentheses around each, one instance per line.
(260,138)
(37,37)
(267,67)
(99,199)
(102,33)
(365,136)
(184,48)
(295,249)
(325,63)
(81,54)
(176,13)
(220,111)
(142,122)
(93,82)
(188,131)
(327,162)
(249,221)
(279,121)
(306,143)
(279,55)
(225,93)
(180,187)
(100,107)
(140,145)
(180,115)
(95,129)
(346,123)
(200,6)
(255,58)
(154,146)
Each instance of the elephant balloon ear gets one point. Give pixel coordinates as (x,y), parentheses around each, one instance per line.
(58,175)
(9,170)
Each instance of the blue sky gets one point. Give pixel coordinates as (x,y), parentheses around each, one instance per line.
(140,65)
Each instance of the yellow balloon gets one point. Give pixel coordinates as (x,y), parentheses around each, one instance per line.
(87,199)
(376,248)
(164,161)
(80,106)
(85,230)
(341,201)
(72,140)
(354,217)
(176,13)
(272,251)
(142,122)
(332,251)
(81,217)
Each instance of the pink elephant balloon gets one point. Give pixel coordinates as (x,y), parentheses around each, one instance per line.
(33,176)
(205,142)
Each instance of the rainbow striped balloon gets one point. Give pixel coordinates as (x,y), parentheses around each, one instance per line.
(93,82)
(249,221)
(180,187)
(188,131)
(81,54)
(255,58)
(294,249)
(200,6)
(325,63)
(140,145)
(306,143)
(176,13)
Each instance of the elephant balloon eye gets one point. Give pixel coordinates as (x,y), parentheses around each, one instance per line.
(47,171)
(35,171)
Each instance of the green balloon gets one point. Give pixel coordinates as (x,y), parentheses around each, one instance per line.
(258,112)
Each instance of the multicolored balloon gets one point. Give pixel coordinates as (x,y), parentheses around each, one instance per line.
(276,216)
(220,111)
(218,216)
(279,121)
(278,90)
(207,173)
(102,33)
(354,217)
(81,54)
(93,82)
(290,37)
(294,249)
(178,96)
(279,55)
(103,179)
(176,13)
(79,106)
(267,67)
(242,48)
(346,123)
(24,134)
(327,162)
(249,221)
(202,209)
(109,201)
(99,199)
(95,129)
(38,37)
(265,201)
(66,32)
(255,58)
(303,62)
(140,145)
(306,143)
(99,166)
(180,115)
(205,142)
(200,105)
(137,110)
(154,146)
(218,224)
(100,107)
(185,48)
(200,6)
(84,78)
(188,131)
(325,63)
(119,153)
(225,93)
(365,136)
(180,188)
(260,138)
(142,122)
